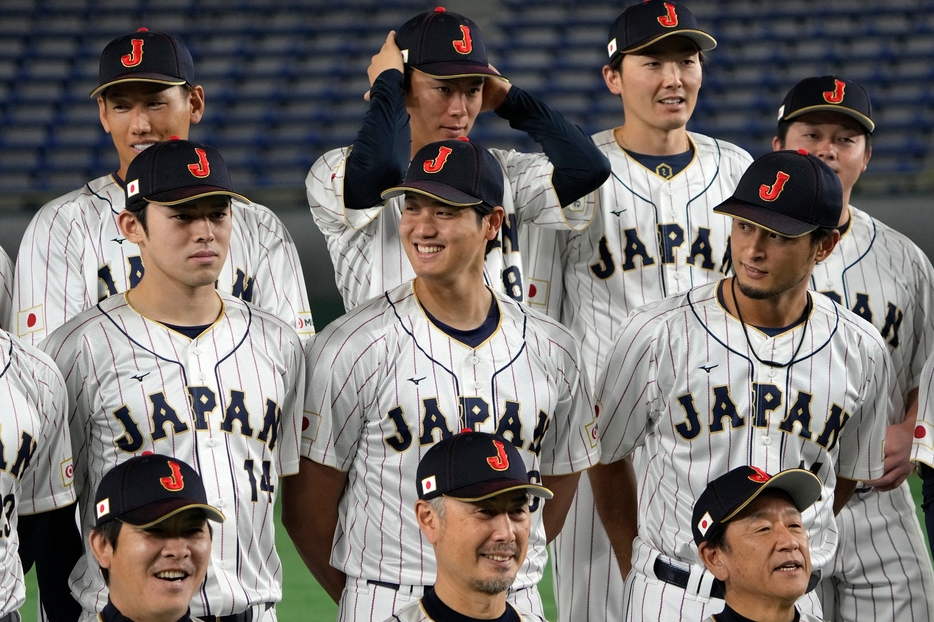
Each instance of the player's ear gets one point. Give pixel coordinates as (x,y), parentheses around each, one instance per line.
(495,218)
(102,110)
(777,145)
(613,79)
(196,103)
(866,157)
(102,549)
(130,226)
(428,520)
(827,245)
(713,559)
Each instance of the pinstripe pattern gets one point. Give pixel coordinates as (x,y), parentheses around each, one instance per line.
(129,380)
(34,403)
(600,295)
(686,353)
(385,384)
(882,569)
(73,255)
(368,255)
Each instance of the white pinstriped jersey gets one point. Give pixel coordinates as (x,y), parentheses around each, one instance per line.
(883,277)
(369,257)
(416,613)
(385,384)
(228,403)
(804,617)
(683,382)
(36,470)
(6,289)
(74,255)
(922,450)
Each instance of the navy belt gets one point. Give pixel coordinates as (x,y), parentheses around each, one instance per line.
(675,576)
(243,616)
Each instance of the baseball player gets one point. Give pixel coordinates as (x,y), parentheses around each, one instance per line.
(751,370)
(654,234)
(425,360)
(73,253)
(175,366)
(37,523)
(428,83)
(473,507)
(151,538)
(922,449)
(884,278)
(6,289)
(750,535)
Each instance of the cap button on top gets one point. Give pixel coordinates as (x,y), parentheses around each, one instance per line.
(464,138)
(803,151)
(142,30)
(439,9)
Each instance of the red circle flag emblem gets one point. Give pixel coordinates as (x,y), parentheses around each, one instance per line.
(920,432)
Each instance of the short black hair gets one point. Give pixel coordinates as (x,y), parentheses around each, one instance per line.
(110,531)
(821,234)
(717,539)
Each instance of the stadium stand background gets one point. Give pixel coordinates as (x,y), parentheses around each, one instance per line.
(284,83)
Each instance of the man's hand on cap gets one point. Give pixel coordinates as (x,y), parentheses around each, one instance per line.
(388,57)
(494,92)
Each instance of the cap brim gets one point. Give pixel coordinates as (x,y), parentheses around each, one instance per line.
(435,190)
(704,41)
(449,70)
(765,218)
(802,486)
(493,488)
(149,515)
(155,78)
(190,193)
(865,121)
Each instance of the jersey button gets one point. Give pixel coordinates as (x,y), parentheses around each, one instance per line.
(473,360)
(767,440)
(211,442)
(201,377)
(478,385)
(773,372)
(195,351)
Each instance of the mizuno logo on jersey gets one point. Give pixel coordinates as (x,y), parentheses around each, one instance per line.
(163,417)
(140,376)
(472,412)
(768,400)
(415,381)
(707,368)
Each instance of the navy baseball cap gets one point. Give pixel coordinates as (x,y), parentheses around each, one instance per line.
(726,496)
(790,193)
(641,25)
(145,56)
(175,171)
(443,44)
(148,489)
(457,172)
(828,93)
(473,466)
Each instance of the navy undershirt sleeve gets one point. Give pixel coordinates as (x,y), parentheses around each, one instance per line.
(380,153)
(580,167)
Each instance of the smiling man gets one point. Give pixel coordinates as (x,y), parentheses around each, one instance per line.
(73,253)
(751,536)
(754,369)
(473,504)
(174,366)
(151,538)
(426,360)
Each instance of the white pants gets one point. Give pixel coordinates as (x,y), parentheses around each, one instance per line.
(368,602)
(652,600)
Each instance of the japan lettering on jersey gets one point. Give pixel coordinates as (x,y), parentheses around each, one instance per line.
(385,384)
(36,470)
(881,276)
(228,403)
(683,381)
(73,255)
(368,255)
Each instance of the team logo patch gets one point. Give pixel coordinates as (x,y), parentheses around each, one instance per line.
(304,324)
(132,188)
(499,462)
(670,18)
(706,521)
(30,320)
(464,45)
(135,57)
(68,472)
(760,477)
(611,47)
(429,484)
(103,508)
(201,168)
(836,95)
(433,166)
(770,193)
(175,481)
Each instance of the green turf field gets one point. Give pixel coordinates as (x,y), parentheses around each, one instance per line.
(304,601)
